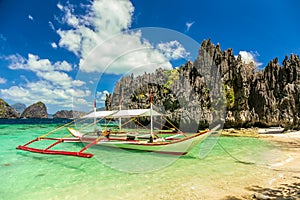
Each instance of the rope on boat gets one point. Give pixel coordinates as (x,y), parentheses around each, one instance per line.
(164,125)
(132,119)
(67,124)
(42,136)
(139,123)
(90,124)
(176,127)
(63,126)
(172,125)
(110,119)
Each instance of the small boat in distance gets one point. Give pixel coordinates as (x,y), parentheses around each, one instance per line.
(271,130)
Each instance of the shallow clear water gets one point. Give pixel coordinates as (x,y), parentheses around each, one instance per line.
(26,175)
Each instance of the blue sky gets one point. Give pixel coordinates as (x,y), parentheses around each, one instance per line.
(49,50)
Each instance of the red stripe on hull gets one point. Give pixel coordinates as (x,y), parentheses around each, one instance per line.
(155,151)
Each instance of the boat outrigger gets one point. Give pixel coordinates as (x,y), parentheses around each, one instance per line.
(171,141)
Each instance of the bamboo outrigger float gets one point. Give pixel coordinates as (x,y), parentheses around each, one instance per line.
(172,141)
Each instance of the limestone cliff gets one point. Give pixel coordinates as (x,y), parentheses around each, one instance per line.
(190,93)
(275,93)
(37,110)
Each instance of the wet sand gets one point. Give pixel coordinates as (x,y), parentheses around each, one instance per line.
(279,180)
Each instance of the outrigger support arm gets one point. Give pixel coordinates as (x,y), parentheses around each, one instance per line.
(47,150)
(88,146)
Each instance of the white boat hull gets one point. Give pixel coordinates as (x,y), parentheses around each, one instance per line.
(177,147)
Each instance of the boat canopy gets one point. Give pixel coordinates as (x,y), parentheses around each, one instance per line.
(135,113)
(99,114)
(122,113)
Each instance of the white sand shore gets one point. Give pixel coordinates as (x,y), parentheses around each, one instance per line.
(277,180)
(291,134)
(285,183)
(274,178)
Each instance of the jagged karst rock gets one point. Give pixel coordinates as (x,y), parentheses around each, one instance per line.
(276,91)
(68,114)
(268,97)
(108,101)
(37,110)
(7,111)
(19,107)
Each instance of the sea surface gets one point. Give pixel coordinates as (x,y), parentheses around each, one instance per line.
(116,174)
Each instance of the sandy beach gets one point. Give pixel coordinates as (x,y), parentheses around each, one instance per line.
(278,180)
(276,175)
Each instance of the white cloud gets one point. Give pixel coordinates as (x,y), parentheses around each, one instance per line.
(173,50)
(55,87)
(2,80)
(30,17)
(249,57)
(51,26)
(54,45)
(188,26)
(105,19)
(45,92)
(59,6)
(16,61)
(101,96)
(35,64)
(122,53)
(68,18)
(118,57)
(56,77)
(63,66)
(78,83)
(70,40)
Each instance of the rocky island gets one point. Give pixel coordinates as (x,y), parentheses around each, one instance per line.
(37,110)
(7,111)
(68,114)
(253,97)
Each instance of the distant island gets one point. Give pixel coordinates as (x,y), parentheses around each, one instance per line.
(37,110)
(19,107)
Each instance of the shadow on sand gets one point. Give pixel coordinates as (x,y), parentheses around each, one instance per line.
(283,192)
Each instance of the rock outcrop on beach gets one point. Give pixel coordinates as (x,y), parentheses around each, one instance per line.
(37,110)
(19,107)
(68,114)
(190,93)
(7,111)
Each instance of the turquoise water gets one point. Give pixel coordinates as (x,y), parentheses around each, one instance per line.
(26,175)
